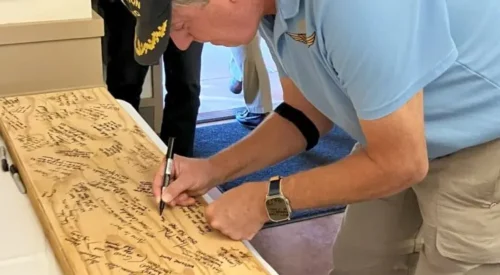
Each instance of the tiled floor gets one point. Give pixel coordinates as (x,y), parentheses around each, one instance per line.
(215,77)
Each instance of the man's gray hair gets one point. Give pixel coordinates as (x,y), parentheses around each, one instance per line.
(190,2)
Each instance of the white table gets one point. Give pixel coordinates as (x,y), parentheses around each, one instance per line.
(23,246)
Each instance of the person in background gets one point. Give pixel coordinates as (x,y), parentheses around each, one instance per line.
(125,76)
(249,73)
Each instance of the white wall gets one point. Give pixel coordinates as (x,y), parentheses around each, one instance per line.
(23,11)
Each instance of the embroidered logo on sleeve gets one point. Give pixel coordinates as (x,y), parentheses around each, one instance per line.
(302,36)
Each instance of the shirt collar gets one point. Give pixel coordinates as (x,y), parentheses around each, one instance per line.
(288,8)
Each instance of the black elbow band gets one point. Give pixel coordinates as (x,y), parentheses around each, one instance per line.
(301,121)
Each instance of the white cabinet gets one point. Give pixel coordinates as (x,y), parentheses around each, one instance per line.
(151,108)
(147,89)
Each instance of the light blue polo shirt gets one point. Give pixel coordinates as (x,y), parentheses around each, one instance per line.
(359,59)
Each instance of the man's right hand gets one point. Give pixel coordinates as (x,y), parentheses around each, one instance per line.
(191,177)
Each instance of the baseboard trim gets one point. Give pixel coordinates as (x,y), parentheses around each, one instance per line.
(216,116)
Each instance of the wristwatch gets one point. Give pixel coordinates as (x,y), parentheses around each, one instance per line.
(277,205)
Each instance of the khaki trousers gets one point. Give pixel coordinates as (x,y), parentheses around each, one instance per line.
(449,224)
(248,65)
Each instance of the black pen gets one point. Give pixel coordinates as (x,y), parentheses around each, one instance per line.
(17,179)
(168,170)
(5,164)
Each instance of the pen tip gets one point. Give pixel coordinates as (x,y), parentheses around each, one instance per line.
(162,206)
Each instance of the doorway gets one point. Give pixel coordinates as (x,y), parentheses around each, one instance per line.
(217,101)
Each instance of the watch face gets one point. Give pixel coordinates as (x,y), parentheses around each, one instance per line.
(277,208)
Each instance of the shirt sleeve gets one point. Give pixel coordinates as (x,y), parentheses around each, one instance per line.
(384,52)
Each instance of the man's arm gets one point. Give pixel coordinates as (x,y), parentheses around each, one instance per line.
(409,47)
(274,140)
(395,158)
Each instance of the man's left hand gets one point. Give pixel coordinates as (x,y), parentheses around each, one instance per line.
(240,212)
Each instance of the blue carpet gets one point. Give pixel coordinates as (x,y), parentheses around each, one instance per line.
(332,147)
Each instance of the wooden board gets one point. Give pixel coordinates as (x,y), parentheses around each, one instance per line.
(88,169)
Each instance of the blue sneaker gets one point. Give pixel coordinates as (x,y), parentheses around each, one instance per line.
(250,120)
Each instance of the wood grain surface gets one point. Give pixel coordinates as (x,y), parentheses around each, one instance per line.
(88,169)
